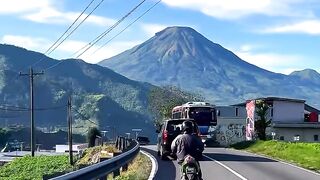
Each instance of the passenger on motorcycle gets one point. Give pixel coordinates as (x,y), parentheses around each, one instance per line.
(188,144)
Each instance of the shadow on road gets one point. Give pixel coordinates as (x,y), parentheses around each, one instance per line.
(234,157)
(166,168)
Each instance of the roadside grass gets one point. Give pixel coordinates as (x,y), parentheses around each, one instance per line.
(302,154)
(34,167)
(139,169)
(28,167)
(91,155)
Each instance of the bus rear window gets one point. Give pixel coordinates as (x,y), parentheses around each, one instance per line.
(203,116)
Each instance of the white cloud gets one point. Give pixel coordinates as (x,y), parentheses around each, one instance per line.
(18,6)
(306,27)
(151,29)
(26,42)
(108,51)
(45,11)
(246,47)
(280,63)
(234,9)
(52,16)
(69,47)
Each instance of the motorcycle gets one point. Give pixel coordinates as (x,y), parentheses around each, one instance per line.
(190,169)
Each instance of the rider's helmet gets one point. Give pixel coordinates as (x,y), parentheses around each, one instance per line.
(187,127)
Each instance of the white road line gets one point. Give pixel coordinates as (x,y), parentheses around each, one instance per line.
(229,169)
(278,160)
(154,162)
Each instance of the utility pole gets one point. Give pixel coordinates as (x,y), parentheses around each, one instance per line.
(70,130)
(31,74)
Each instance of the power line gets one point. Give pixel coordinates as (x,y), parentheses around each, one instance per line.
(83,116)
(25,109)
(54,45)
(10,106)
(14,110)
(77,26)
(98,38)
(61,61)
(128,26)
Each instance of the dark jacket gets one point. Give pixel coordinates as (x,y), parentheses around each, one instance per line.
(185,144)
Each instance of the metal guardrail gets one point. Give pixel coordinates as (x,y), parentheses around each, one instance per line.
(102,169)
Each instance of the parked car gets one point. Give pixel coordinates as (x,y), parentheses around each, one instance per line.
(167,132)
(143,140)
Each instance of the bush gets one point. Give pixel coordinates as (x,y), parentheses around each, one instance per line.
(34,167)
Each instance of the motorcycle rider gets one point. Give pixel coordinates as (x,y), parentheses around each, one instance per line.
(188,144)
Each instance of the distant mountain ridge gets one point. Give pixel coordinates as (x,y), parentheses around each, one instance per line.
(307,75)
(99,94)
(183,57)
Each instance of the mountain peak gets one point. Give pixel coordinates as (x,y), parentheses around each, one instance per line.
(305,71)
(176,29)
(179,33)
(307,74)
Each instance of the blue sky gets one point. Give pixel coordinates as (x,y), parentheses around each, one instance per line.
(278,35)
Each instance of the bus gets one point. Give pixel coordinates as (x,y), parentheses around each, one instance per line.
(202,112)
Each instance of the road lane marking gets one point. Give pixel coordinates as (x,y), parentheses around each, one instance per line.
(277,160)
(154,163)
(229,169)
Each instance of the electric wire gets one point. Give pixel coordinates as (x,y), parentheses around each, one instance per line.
(65,32)
(98,38)
(77,25)
(23,109)
(127,26)
(83,116)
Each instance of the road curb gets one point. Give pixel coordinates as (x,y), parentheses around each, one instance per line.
(154,163)
(278,160)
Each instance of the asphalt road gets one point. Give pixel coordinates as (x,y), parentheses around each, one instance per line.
(228,164)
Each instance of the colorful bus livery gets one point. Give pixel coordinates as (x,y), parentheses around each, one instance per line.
(202,112)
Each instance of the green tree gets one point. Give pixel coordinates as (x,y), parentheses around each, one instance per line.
(262,123)
(92,135)
(4,136)
(162,100)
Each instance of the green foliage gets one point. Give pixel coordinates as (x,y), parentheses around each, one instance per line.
(302,154)
(262,123)
(59,94)
(89,153)
(162,100)
(139,169)
(4,136)
(34,167)
(92,135)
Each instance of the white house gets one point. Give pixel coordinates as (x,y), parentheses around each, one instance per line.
(289,119)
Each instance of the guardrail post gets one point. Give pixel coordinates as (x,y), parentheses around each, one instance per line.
(117,143)
(126,144)
(122,144)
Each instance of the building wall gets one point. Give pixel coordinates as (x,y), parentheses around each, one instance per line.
(284,111)
(230,130)
(230,111)
(75,147)
(305,134)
